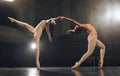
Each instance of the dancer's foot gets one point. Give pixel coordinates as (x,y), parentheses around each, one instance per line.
(100,64)
(38,68)
(76,65)
(38,64)
(11,19)
(75,71)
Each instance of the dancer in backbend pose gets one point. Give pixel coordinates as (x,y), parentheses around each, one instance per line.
(37,32)
(92,41)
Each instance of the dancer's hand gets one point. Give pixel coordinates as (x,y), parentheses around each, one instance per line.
(69,31)
(50,39)
(60,17)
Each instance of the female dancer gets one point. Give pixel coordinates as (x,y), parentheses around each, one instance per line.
(92,41)
(37,32)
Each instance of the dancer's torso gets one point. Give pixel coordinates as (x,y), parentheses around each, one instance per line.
(90,29)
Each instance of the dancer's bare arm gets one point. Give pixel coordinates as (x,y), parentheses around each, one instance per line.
(48,33)
(69,19)
(51,20)
(72,30)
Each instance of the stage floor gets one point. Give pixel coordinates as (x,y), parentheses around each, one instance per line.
(60,71)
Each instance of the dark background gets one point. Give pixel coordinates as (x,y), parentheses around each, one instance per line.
(66,49)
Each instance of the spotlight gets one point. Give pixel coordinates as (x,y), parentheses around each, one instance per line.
(112,13)
(33,45)
(33,72)
(9,0)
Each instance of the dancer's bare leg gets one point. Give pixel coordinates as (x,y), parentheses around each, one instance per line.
(91,47)
(37,36)
(102,52)
(22,24)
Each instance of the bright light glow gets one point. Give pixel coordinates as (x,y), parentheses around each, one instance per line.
(116,13)
(112,13)
(33,72)
(9,0)
(33,45)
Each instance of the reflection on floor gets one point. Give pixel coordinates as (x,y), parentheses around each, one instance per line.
(61,71)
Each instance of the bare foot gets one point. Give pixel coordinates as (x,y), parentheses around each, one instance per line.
(100,64)
(11,19)
(76,65)
(38,64)
(38,68)
(75,70)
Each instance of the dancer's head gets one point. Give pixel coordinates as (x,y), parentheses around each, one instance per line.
(52,21)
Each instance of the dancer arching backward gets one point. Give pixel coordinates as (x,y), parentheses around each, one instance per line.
(92,41)
(37,32)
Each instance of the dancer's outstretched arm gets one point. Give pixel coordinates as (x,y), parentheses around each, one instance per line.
(72,30)
(69,19)
(22,24)
(52,21)
(48,33)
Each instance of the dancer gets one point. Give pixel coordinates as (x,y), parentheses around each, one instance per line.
(37,32)
(92,42)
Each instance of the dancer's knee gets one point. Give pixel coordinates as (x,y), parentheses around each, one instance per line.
(88,53)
